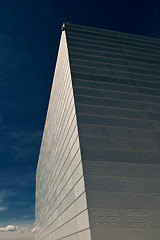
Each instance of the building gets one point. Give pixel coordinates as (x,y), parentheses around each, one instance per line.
(98,175)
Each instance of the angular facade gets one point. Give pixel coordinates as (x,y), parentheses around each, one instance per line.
(98,174)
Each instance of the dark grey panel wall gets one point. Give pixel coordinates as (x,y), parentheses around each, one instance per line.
(116,84)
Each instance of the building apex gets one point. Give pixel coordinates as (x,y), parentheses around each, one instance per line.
(63,27)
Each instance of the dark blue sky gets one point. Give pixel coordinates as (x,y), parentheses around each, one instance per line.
(29,38)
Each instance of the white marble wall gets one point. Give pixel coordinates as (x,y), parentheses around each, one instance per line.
(61,208)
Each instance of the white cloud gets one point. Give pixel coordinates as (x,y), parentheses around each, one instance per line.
(9,228)
(19,229)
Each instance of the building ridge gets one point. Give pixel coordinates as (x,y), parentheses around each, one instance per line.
(68,25)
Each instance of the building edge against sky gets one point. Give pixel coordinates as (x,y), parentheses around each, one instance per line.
(98,174)
(61,208)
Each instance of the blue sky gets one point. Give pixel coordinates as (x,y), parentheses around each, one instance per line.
(29,38)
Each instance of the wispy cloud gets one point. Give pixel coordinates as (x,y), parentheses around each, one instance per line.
(3,196)
(24,143)
(26,217)
(5,36)
(2,208)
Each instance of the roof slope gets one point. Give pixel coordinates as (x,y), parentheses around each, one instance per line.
(116,85)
